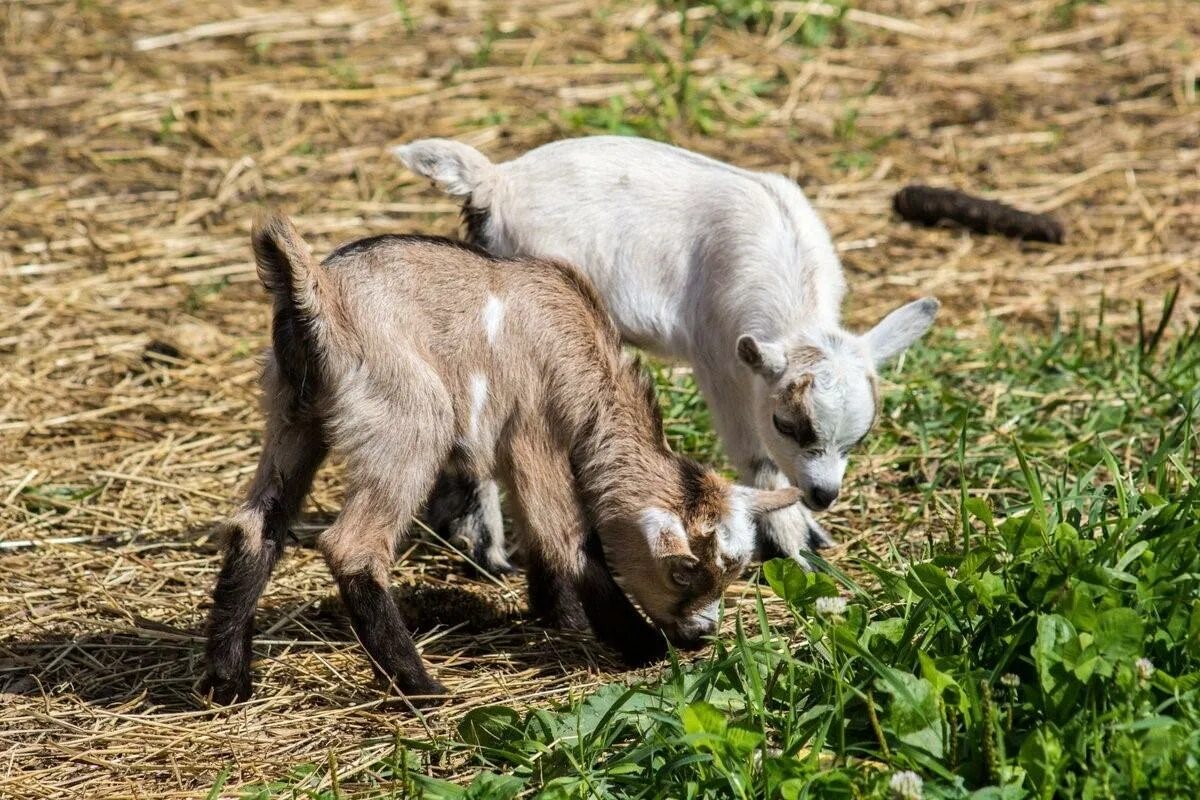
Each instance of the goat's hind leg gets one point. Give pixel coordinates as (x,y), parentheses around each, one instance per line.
(360,547)
(466,512)
(293,449)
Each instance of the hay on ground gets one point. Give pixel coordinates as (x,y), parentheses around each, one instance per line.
(138,137)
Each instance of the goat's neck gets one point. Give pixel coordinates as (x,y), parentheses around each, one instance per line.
(620,461)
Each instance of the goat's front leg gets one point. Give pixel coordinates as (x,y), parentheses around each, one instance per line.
(569,581)
(791,531)
(549,524)
(293,450)
(614,618)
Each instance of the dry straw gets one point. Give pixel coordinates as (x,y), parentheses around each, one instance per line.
(138,137)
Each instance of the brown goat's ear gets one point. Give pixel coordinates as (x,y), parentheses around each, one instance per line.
(764,501)
(682,569)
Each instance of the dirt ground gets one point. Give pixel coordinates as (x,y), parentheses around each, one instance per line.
(137,139)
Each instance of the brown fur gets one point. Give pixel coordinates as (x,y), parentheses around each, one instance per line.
(875,396)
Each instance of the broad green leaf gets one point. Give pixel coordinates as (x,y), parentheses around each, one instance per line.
(495,729)
(798,587)
(742,740)
(702,717)
(912,714)
(1119,634)
(980,509)
(1041,757)
(1055,635)
(490,786)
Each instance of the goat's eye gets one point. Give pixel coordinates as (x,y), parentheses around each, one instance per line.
(785,428)
(681,578)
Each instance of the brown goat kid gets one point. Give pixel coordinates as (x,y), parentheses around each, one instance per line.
(407,354)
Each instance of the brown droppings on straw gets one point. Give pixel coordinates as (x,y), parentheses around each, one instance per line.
(927,205)
(427,606)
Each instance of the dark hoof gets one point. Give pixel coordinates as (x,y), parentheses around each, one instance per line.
(432,693)
(819,539)
(564,614)
(767,549)
(643,654)
(565,622)
(496,569)
(227,691)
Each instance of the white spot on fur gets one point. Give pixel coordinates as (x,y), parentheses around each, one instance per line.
(493,316)
(479,390)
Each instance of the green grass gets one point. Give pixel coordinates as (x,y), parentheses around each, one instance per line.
(678,99)
(1045,643)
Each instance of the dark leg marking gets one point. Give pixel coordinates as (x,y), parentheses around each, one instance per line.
(377,621)
(765,475)
(553,599)
(243,577)
(245,572)
(614,618)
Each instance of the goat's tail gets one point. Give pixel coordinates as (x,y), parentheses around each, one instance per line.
(301,298)
(458,168)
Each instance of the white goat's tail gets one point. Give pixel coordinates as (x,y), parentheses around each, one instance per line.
(457,168)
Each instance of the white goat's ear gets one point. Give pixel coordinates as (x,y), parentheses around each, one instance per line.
(665,534)
(458,168)
(899,329)
(764,501)
(768,359)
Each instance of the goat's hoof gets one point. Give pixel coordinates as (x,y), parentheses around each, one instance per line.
(818,538)
(495,570)
(563,615)
(789,533)
(428,693)
(644,654)
(567,622)
(225,691)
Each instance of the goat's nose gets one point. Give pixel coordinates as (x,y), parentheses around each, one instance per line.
(822,498)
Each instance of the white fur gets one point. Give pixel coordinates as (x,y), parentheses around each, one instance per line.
(493,316)
(736,532)
(660,526)
(690,254)
(479,393)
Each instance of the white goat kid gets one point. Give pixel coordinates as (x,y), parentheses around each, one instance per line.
(728,269)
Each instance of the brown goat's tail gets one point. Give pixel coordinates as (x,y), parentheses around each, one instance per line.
(284,265)
(287,271)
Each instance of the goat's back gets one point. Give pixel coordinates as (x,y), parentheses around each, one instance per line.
(461,310)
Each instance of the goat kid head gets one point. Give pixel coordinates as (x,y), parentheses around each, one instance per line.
(822,395)
(677,559)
